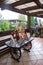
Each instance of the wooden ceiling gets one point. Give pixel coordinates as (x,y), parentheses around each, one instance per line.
(30,11)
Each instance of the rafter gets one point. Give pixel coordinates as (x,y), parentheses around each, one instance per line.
(41,16)
(8,7)
(1,2)
(30,8)
(37,16)
(19,11)
(23,11)
(38,3)
(21,2)
(39,12)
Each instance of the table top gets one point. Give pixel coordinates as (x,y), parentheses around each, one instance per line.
(11,44)
(17,44)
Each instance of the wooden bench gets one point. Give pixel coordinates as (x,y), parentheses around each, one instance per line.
(4,36)
(3,47)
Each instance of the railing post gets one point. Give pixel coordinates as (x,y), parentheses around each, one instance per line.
(28,23)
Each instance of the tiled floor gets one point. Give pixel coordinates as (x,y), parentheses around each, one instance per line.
(34,57)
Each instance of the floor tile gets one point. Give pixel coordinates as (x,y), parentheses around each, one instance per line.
(34,57)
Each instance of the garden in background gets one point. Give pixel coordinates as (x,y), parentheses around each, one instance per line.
(7,25)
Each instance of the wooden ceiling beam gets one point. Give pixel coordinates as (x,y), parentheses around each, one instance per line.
(21,2)
(31,8)
(8,7)
(41,16)
(38,3)
(18,11)
(23,11)
(35,15)
(1,2)
(39,12)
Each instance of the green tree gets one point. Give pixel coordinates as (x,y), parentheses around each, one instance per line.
(23,23)
(5,26)
(13,27)
(0,25)
(22,17)
(32,21)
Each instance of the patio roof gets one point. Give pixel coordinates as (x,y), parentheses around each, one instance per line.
(27,7)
